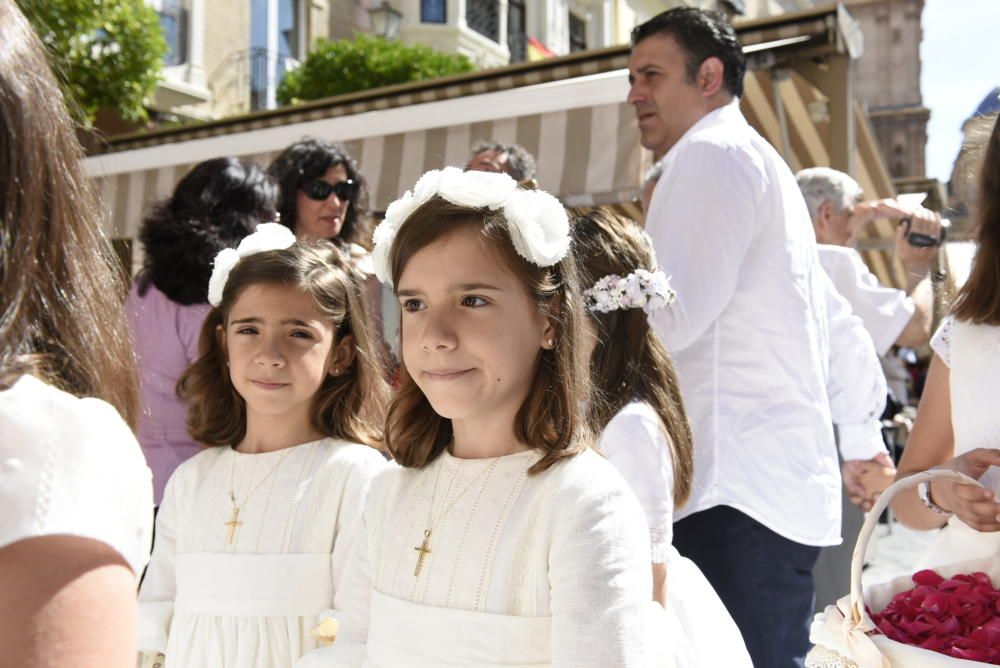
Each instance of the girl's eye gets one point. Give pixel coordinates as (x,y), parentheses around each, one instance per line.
(301,334)
(473,301)
(246,330)
(412,305)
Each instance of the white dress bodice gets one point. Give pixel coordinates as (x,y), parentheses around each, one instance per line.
(546,569)
(972,354)
(251,602)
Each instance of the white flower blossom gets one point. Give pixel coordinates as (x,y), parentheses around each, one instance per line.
(267,237)
(537,222)
(643,289)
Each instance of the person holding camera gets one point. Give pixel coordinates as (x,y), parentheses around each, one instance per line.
(891,316)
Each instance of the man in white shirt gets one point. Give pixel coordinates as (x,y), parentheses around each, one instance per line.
(754,333)
(891,316)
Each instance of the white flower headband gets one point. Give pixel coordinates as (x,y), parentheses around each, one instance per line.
(538,224)
(648,290)
(267,237)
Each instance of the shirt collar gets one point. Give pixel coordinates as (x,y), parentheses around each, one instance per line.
(724,115)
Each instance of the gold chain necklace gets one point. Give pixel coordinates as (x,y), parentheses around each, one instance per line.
(234,522)
(424,548)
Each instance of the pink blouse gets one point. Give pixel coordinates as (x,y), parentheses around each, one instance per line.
(165,335)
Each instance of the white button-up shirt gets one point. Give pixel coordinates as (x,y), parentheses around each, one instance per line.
(885,311)
(754,333)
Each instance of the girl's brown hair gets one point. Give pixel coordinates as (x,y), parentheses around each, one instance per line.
(978,301)
(61,292)
(350,406)
(551,418)
(630,363)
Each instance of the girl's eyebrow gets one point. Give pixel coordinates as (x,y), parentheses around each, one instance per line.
(253,320)
(461,287)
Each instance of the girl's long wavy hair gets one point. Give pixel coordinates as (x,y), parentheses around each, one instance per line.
(978,301)
(350,406)
(630,363)
(551,419)
(61,289)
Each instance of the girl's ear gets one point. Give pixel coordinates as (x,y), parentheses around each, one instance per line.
(342,355)
(550,325)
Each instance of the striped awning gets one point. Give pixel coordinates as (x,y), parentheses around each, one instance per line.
(580,130)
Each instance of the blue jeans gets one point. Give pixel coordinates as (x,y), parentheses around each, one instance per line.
(764,580)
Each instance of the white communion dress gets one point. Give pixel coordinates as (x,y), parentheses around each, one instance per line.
(519,569)
(972,354)
(71,466)
(225,595)
(704,633)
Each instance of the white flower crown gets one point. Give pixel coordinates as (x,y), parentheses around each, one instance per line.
(267,237)
(648,290)
(538,224)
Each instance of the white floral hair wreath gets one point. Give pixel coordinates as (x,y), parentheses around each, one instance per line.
(267,237)
(538,224)
(648,290)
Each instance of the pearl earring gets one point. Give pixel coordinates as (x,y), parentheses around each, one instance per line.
(552,343)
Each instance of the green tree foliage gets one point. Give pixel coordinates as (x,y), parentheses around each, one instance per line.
(347,66)
(107,53)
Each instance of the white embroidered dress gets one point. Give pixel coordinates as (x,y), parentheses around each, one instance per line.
(703,633)
(71,466)
(531,571)
(207,603)
(972,353)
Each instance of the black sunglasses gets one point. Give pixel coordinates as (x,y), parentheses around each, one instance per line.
(319,190)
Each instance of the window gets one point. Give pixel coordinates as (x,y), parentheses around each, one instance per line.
(287,29)
(483,16)
(434,11)
(517,38)
(577,33)
(174,21)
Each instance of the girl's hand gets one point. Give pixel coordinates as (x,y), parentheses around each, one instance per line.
(972,504)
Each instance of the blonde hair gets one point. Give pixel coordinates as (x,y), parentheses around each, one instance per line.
(551,418)
(349,406)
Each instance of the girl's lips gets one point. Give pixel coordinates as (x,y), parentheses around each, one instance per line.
(446,374)
(265,385)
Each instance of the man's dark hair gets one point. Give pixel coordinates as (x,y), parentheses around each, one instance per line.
(520,163)
(701,34)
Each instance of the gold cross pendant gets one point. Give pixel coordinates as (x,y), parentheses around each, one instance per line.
(424,550)
(232,525)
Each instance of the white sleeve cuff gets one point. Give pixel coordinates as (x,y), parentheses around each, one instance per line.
(153,625)
(861,441)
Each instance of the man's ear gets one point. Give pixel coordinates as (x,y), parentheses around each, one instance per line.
(823,217)
(342,356)
(711,76)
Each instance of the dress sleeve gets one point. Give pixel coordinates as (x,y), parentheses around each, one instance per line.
(941,341)
(637,446)
(599,575)
(159,587)
(701,240)
(82,474)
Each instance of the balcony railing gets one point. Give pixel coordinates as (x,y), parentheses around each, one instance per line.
(243,76)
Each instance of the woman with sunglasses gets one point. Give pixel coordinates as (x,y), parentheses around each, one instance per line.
(323,195)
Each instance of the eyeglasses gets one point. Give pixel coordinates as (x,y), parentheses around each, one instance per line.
(319,189)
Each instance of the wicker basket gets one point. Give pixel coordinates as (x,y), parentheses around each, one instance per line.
(840,634)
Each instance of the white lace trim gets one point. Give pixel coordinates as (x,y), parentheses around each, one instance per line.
(941,341)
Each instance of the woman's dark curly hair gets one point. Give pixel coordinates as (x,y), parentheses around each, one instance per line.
(214,206)
(308,159)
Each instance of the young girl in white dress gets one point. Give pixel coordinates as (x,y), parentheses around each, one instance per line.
(254,532)
(636,406)
(957,425)
(502,538)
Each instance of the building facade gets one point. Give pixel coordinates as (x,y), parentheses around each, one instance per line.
(888,81)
